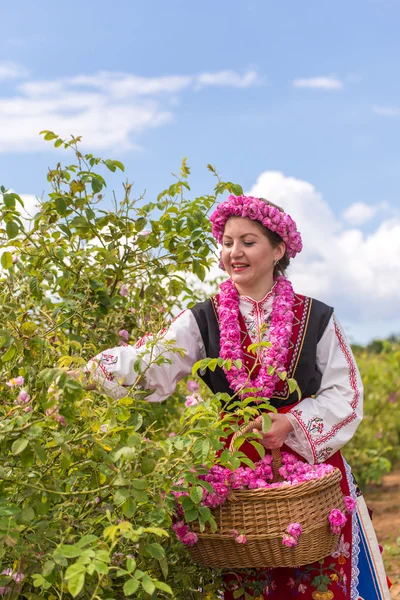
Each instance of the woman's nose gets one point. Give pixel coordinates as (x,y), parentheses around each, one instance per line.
(236,250)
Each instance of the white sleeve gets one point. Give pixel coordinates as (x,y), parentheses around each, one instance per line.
(113,370)
(322,425)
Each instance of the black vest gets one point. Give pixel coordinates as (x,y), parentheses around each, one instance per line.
(310,320)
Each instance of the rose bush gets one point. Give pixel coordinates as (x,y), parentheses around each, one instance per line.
(375,448)
(85,482)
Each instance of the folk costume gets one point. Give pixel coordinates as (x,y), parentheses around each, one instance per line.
(309,344)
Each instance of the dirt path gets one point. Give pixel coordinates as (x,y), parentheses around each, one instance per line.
(385,503)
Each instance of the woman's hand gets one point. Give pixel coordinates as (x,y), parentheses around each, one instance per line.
(80,376)
(279,430)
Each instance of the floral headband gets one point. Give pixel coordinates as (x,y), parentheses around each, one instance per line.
(257,210)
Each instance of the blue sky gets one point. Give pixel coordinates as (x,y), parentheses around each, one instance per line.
(308,90)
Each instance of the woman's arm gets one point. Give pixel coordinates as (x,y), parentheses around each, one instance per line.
(113,370)
(322,425)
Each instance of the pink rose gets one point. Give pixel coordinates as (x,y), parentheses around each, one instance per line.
(337,520)
(350,503)
(124,334)
(23,397)
(241,539)
(180,529)
(190,539)
(294,529)
(192,400)
(192,385)
(123,290)
(15,381)
(289,540)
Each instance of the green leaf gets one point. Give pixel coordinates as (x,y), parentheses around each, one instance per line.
(147,584)
(49,135)
(139,484)
(196,493)
(75,585)
(27,515)
(97,185)
(259,447)
(266,423)
(130,564)
(191,515)
(164,567)
(130,586)
(74,570)
(164,587)
(148,465)
(68,551)
(6,260)
(86,539)
(9,355)
(9,200)
(129,507)
(12,229)
(139,495)
(19,445)
(38,580)
(100,567)
(61,206)
(155,550)
(121,495)
(48,568)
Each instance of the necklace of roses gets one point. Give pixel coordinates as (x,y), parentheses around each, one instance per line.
(279,337)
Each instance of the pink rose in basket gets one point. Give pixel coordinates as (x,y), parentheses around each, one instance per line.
(289,540)
(337,520)
(294,529)
(241,539)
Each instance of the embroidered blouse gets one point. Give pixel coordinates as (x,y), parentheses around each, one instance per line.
(321,424)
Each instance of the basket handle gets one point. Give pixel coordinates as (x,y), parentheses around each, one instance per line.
(276,453)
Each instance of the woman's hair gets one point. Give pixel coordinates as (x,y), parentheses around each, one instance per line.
(275,240)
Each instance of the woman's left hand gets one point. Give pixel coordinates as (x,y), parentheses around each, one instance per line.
(279,430)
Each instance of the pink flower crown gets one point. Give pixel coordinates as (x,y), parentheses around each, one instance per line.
(257,210)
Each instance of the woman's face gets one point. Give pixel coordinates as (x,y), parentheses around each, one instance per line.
(248,255)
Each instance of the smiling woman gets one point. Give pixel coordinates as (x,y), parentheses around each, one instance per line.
(298,336)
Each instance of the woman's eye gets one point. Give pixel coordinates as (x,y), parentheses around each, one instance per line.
(248,243)
(227,244)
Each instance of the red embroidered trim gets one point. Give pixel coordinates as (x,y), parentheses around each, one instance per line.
(354,403)
(108,375)
(297,415)
(353,384)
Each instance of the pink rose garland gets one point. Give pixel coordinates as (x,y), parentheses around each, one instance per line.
(257,210)
(279,337)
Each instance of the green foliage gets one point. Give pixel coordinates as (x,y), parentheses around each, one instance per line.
(376,444)
(85,481)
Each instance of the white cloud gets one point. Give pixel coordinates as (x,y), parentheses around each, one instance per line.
(355,272)
(359,213)
(386,111)
(107,109)
(321,83)
(11,70)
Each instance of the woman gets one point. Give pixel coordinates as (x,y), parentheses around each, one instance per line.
(257,303)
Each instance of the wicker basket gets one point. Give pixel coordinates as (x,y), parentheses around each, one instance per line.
(263,515)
